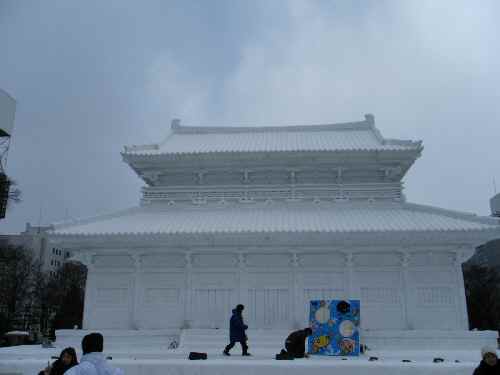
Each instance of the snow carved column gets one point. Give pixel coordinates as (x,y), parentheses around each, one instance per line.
(136,292)
(243,279)
(405,261)
(88,260)
(296,301)
(349,263)
(188,317)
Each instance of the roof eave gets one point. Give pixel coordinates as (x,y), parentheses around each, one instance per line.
(469,238)
(416,151)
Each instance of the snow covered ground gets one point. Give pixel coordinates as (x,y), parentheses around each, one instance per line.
(137,356)
(146,361)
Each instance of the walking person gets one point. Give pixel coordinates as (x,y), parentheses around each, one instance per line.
(237,333)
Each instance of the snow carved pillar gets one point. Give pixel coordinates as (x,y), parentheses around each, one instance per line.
(136,292)
(188,315)
(349,287)
(90,286)
(405,261)
(243,279)
(296,301)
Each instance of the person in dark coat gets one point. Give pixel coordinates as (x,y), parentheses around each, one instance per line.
(237,330)
(66,360)
(490,365)
(295,343)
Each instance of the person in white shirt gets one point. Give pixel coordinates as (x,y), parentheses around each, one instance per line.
(93,361)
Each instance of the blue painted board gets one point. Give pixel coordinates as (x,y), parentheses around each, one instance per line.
(335,326)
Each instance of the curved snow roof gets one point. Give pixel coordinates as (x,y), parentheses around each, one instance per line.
(276,217)
(352,136)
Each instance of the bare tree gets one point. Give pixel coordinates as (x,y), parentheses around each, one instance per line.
(9,193)
(16,282)
(64,296)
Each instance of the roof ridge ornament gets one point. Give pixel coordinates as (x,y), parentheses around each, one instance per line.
(370,118)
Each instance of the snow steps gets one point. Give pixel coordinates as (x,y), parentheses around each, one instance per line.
(214,340)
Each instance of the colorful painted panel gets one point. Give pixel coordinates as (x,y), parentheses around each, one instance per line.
(335,325)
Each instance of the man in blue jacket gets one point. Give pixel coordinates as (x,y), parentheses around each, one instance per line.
(237,331)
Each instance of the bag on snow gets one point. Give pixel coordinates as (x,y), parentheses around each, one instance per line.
(193,356)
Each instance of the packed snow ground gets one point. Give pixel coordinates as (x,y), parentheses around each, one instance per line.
(147,361)
(139,357)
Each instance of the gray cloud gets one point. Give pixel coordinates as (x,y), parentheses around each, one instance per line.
(91,77)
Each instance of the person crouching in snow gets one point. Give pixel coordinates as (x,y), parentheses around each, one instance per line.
(295,343)
(93,361)
(237,330)
(490,364)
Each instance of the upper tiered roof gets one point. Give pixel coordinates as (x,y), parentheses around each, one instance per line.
(351,136)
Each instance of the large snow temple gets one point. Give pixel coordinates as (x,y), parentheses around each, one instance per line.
(273,217)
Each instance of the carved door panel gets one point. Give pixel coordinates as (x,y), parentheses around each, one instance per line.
(268,307)
(161,300)
(212,307)
(380,292)
(111,301)
(213,296)
(269,300)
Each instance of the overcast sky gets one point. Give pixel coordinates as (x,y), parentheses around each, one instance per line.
(92,76)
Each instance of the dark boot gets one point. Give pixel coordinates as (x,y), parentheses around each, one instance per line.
(228,348)
(244,348)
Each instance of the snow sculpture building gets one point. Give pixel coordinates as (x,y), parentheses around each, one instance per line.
(273,217)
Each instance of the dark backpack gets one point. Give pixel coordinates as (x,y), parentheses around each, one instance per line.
(193,356)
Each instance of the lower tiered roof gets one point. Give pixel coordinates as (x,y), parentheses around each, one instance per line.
(343,217)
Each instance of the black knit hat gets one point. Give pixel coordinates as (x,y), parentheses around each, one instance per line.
(93,342)
(240,307)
